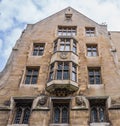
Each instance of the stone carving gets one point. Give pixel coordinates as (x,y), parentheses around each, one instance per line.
(42,99)
(115,101)
(80,101)
(63,55)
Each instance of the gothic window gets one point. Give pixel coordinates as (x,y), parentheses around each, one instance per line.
(98,110)
(94,75)
(65,44)
(31,75)
(60,112)
(38,49)
(63,71)
(90,31)
(92,50)
(67,30)
(22,112)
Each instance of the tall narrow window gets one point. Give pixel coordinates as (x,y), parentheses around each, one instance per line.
(98,111)
(22,113)
(74,72)
(38,49)
(31,75)
(94,75)
(60,112)
(51,76)
(67,30)
(92,50)
(90,31)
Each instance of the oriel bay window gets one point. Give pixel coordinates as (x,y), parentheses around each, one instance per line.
(98,111)
(63,71)
(65,44)
(60,112)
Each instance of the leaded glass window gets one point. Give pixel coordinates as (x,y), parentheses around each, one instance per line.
(94,75)
(38,49)
(31,75)
(22,113)
(61,112)
(98,110)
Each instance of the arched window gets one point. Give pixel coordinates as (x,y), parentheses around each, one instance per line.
(26,115)
(61,112)
(57,115)
(18,115)
(101,114)
(94,114)
(64,114)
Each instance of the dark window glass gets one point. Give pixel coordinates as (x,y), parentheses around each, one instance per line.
(18,115)
(31,75)
(98,110)
(38,49)
(26,115)
(92,50)
(94,75)
(61,112)
(22,112)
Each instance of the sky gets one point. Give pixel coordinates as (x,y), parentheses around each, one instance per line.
(16,14)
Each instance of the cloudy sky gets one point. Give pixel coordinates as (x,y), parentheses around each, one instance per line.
(15,14)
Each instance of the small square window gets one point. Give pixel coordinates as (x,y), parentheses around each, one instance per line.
(94,75)
(31,75)
(38,49)
(92,50)
(90,31)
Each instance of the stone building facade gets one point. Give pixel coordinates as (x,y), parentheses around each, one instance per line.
(63,71)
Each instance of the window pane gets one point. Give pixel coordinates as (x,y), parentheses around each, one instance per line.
(73,76)
(94,115)
(51,76)
(89,54)
(59,75)
(35,52)
(60,65)
(66,75)
(27,80)
(18,116)
(34,80)
(56,115)
(35,72)
(61,47)
(91,80)
(67,48)
(101,114)
(94,53)
(26,116)
(74,49)
(97,80)
(64,115)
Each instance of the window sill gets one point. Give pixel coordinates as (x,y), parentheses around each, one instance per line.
(29,85)
(95,86)
(100,124)
(17,125)
(59,124)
